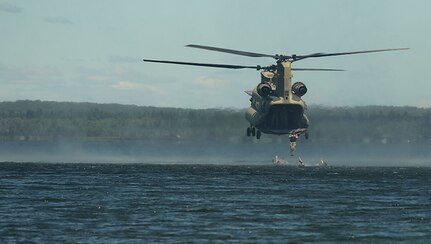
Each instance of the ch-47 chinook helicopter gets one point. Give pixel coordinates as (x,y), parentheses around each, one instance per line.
(276,106)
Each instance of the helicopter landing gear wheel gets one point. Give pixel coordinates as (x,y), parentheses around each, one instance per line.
(258,134)
(253,131)
(248,131)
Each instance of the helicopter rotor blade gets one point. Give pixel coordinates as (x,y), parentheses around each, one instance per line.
(318,55)
(231,51)
(310,69)
(226,66)
(232,66)
(291,58)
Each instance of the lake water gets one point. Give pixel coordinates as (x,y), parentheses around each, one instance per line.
(196,202)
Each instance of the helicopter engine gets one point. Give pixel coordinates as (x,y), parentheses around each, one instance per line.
(263,89)
(299,89)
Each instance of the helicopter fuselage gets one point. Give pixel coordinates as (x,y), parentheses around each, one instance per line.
(275,108)
(276,115)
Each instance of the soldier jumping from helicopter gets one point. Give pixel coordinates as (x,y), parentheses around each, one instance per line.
(292,138)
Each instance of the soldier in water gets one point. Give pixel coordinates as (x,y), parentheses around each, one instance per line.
(300,163)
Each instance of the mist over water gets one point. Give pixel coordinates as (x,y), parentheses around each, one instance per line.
(180,152)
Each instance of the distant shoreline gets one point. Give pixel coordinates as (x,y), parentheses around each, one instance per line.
(67,121)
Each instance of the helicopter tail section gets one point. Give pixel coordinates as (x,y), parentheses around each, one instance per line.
(284,117)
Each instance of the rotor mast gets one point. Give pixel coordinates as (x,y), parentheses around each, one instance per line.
(284,79)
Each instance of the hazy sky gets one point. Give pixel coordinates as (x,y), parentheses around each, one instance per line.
(92,51)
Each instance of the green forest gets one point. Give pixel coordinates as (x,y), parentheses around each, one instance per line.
(41,121)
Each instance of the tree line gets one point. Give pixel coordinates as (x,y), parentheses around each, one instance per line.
(40,120)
